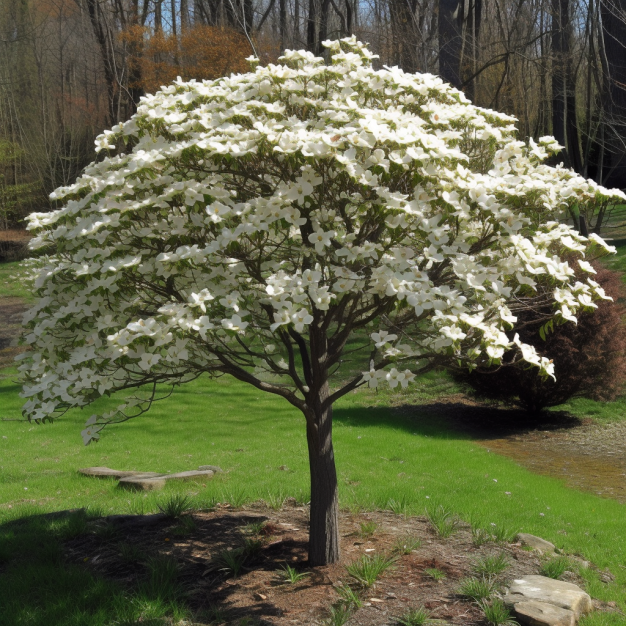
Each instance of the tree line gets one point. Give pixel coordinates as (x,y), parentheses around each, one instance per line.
(70,68)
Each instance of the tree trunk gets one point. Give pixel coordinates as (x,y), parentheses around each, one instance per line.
(564,122)
(324,526)
(450,41)
(613,14)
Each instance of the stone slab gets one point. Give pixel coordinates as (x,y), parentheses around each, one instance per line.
(535,613)
(556,592)
(107,472)
(213,468)
(536,543)
(142,484)
(190,475)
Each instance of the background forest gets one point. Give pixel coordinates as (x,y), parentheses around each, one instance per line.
(70,68)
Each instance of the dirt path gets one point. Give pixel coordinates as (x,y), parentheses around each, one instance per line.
(591,457)
(11,312)
(586,455)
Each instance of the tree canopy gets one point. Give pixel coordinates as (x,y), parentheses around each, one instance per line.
(246,209)
(253,224)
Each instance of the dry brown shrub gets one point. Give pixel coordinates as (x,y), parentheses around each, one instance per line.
(200,52)
(589,357)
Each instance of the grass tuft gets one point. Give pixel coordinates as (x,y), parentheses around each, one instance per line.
(443,521)
(290,575)
(162,582)
(368,569)
(415,617)
(399,507)
(555,567)
(491,565)
(339,614)
(496,613)
(231,562)
(349,596)
(476,589)
(480,537)
(436,574)
(406,545)
(367,529)
(175,505)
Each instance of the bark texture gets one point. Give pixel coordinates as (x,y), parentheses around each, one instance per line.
(324,526)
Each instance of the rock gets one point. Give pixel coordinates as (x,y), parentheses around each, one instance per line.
(536,543)
(190,475)
(106,472)
(556,592)
(535,613)
(213,468)
(145,484)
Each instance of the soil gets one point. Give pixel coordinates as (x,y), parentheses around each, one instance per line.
(258,591)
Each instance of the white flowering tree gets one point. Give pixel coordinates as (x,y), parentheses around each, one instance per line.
(252,225)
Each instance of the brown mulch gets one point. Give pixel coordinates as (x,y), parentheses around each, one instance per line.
(258,593)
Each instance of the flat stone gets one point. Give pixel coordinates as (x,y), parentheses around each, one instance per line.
(536,543)
(213,468)
(190,475)
(556,592)
(107,472)
(535,613)
(142,484)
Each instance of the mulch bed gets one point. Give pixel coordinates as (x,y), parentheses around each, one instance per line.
(258,593)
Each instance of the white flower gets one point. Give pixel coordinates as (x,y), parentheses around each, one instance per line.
(373,376)
(301,319)
(382,337)
(320,239)
(234,323)
(585,266)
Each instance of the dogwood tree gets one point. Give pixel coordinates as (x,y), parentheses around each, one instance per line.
(252,225)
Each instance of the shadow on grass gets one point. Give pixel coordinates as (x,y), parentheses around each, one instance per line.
(457,420)
(71,568)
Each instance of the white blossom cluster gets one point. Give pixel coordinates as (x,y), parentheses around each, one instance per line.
(229,215)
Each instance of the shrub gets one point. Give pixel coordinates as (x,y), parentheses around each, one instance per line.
(589,357)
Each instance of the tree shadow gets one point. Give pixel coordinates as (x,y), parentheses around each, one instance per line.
(457,420)
(101,570)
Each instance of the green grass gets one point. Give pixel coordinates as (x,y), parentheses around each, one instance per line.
(490,565)
(476,589)
(555,567)
(368,569)
(418,462)
(11,282)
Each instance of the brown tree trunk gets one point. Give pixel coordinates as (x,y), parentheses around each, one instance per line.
(450,40)
(324,524)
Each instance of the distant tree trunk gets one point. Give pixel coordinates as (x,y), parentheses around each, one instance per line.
(324,525)
(613,165)
(402,14)
(311,26)
(282,23)
(184,15)
(450,40)
(471,36)
(564,119)
(97,23)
